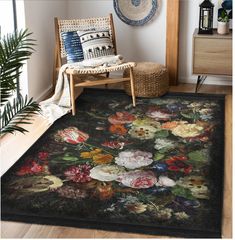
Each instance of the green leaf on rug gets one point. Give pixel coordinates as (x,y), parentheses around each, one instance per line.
(158,156)
(190,115)
(165,150)
(163,200)
(70,158)
(182,192)
(162,134)
(95,116)
(198,156)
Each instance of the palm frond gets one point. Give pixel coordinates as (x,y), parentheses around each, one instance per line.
(20,112)
(15,48)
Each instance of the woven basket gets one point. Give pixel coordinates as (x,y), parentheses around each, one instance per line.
(151,80)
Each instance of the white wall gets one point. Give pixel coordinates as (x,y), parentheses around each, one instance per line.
(189,20)
(39,19)
(148,42)
(134,43)
(6,12)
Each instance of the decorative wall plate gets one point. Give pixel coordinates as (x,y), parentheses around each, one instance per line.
(135,12)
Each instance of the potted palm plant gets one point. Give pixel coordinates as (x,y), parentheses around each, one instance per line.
(224,16)
(15,49)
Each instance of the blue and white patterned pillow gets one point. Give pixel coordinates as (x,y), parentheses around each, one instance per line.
(96,43)
(73,47)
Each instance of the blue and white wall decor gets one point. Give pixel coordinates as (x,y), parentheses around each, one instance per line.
(135,12)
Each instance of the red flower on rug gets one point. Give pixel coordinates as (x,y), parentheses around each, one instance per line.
(202,138)
(71,135)
(118,129)
(43,155)
(177,163)
(80,173)
(31,167)
(121,118)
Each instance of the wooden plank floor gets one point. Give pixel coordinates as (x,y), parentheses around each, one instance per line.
(22,230)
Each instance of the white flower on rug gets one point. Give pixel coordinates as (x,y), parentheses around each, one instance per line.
(195,105)
(106,172)
(196,184)
(181,215)
(206,113)
(187,130)
(71,135)
(160,212)
(143,132)
(137,207)
(161,143)
(147,122)
(133,159)
(158,115)
(211,104)
(164,181)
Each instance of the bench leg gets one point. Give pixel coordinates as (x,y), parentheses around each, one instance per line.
(72,95)
(132,87)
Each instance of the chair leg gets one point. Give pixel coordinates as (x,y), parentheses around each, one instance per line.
(72,94)
(107,76)
(132,87)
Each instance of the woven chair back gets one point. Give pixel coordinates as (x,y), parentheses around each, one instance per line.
(99,23)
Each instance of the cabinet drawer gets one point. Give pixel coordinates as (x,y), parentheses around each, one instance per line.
(212,56)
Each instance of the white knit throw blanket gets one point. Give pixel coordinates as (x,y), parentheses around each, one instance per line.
(59,104)
(106,61)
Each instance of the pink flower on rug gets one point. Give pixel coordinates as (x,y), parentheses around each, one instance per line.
(158,114)
(31,167)
(138,179)
(121,118)
(80,173)
(71,135)
(133,159)
(202,138)
(115,144)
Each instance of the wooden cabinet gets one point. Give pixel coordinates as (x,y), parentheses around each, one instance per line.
(212,54)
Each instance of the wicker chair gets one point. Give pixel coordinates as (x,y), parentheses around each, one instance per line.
(81,77)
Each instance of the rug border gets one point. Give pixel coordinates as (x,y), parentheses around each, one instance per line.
(114,227)
(118,227)
(211,95)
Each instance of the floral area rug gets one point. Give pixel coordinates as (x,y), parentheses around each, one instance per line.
(154,169)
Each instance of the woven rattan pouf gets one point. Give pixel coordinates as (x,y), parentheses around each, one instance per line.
(151,80)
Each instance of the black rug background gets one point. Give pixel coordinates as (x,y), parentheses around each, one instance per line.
(12,213)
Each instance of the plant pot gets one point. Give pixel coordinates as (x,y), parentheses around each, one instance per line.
(223,28)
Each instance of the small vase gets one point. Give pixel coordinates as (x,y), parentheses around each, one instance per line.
(223,28)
